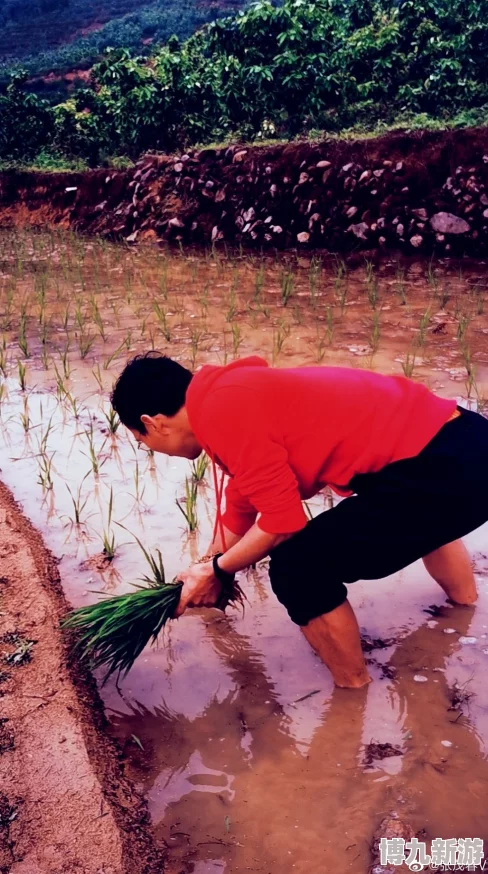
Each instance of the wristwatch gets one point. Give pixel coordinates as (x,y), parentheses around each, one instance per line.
(223,576)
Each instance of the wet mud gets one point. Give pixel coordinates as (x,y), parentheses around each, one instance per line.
(231,730)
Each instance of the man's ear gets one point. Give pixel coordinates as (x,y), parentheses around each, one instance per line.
(157,423)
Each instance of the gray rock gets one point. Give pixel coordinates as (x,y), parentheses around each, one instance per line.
(416,241)
(249,214)
(178,167)
(176,222)
(420,214)
(448,223)
(360,230)
(323,164)
(485,213)
(303,237)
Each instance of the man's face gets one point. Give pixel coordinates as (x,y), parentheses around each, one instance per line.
(164,434)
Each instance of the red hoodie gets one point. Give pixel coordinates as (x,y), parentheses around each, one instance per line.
(283,434)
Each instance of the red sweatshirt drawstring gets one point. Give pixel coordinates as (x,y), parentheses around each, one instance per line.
(219,491)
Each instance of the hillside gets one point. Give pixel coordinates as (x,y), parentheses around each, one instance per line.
(273,71)
(58,35)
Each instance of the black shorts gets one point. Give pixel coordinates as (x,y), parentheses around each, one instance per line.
(396,516)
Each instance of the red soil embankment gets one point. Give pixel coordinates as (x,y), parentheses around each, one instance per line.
(66,805)
(421,191)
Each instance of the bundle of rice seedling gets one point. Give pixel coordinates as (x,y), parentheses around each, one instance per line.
(113,632)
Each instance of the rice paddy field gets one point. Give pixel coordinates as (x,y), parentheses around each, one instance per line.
(249,758)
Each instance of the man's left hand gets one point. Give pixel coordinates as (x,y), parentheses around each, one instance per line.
(201,588)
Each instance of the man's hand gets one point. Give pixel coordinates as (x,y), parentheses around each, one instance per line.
(201,588)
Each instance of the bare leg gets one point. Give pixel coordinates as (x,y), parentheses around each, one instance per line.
(450,566)
(335,638)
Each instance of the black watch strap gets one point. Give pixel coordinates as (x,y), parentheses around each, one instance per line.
(223,577)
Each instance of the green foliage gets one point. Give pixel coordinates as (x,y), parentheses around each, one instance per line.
(284,71)
(47,35)
(26,123)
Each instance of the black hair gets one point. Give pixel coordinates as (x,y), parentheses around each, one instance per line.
(149,384)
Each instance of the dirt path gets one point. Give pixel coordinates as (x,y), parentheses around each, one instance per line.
(65,803)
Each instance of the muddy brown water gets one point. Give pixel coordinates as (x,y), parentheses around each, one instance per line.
(250,759)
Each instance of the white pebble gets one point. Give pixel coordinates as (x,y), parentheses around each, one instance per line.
(419,678)
(449,631)
(431,623)
(446,743)
(468,639)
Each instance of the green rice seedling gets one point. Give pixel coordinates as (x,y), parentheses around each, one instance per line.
(480,305)
(340,270)
(108,536)
(199,468)
(137,483)
(22,374)
(93,453)
(279,338)
(65,360)
(97,373)
(462,328)
(314,272)
(195,337)
(73,405)
(444,295)
(85,343)
(470,381)
(203,300)
(375,333)
(287,283)
(45,463)
(113,421)
(79,319)
(66,318)
(113,356)
(113,632)
(232,310)
(236,338)
(424,321)
(24,417)
(320,345)
(22,339)
(45,357)
(259,282)
(45,436)
(400,284)
(330,325)
(79,504)
(408,365)
(3,392)
(372,284)
(188,504)
(3,355)
(61,389)
(162,321)
(98,320)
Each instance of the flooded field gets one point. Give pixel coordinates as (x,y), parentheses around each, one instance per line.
(250,759)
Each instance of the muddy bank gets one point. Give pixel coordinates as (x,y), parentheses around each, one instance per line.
(65,803)
(421,192)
